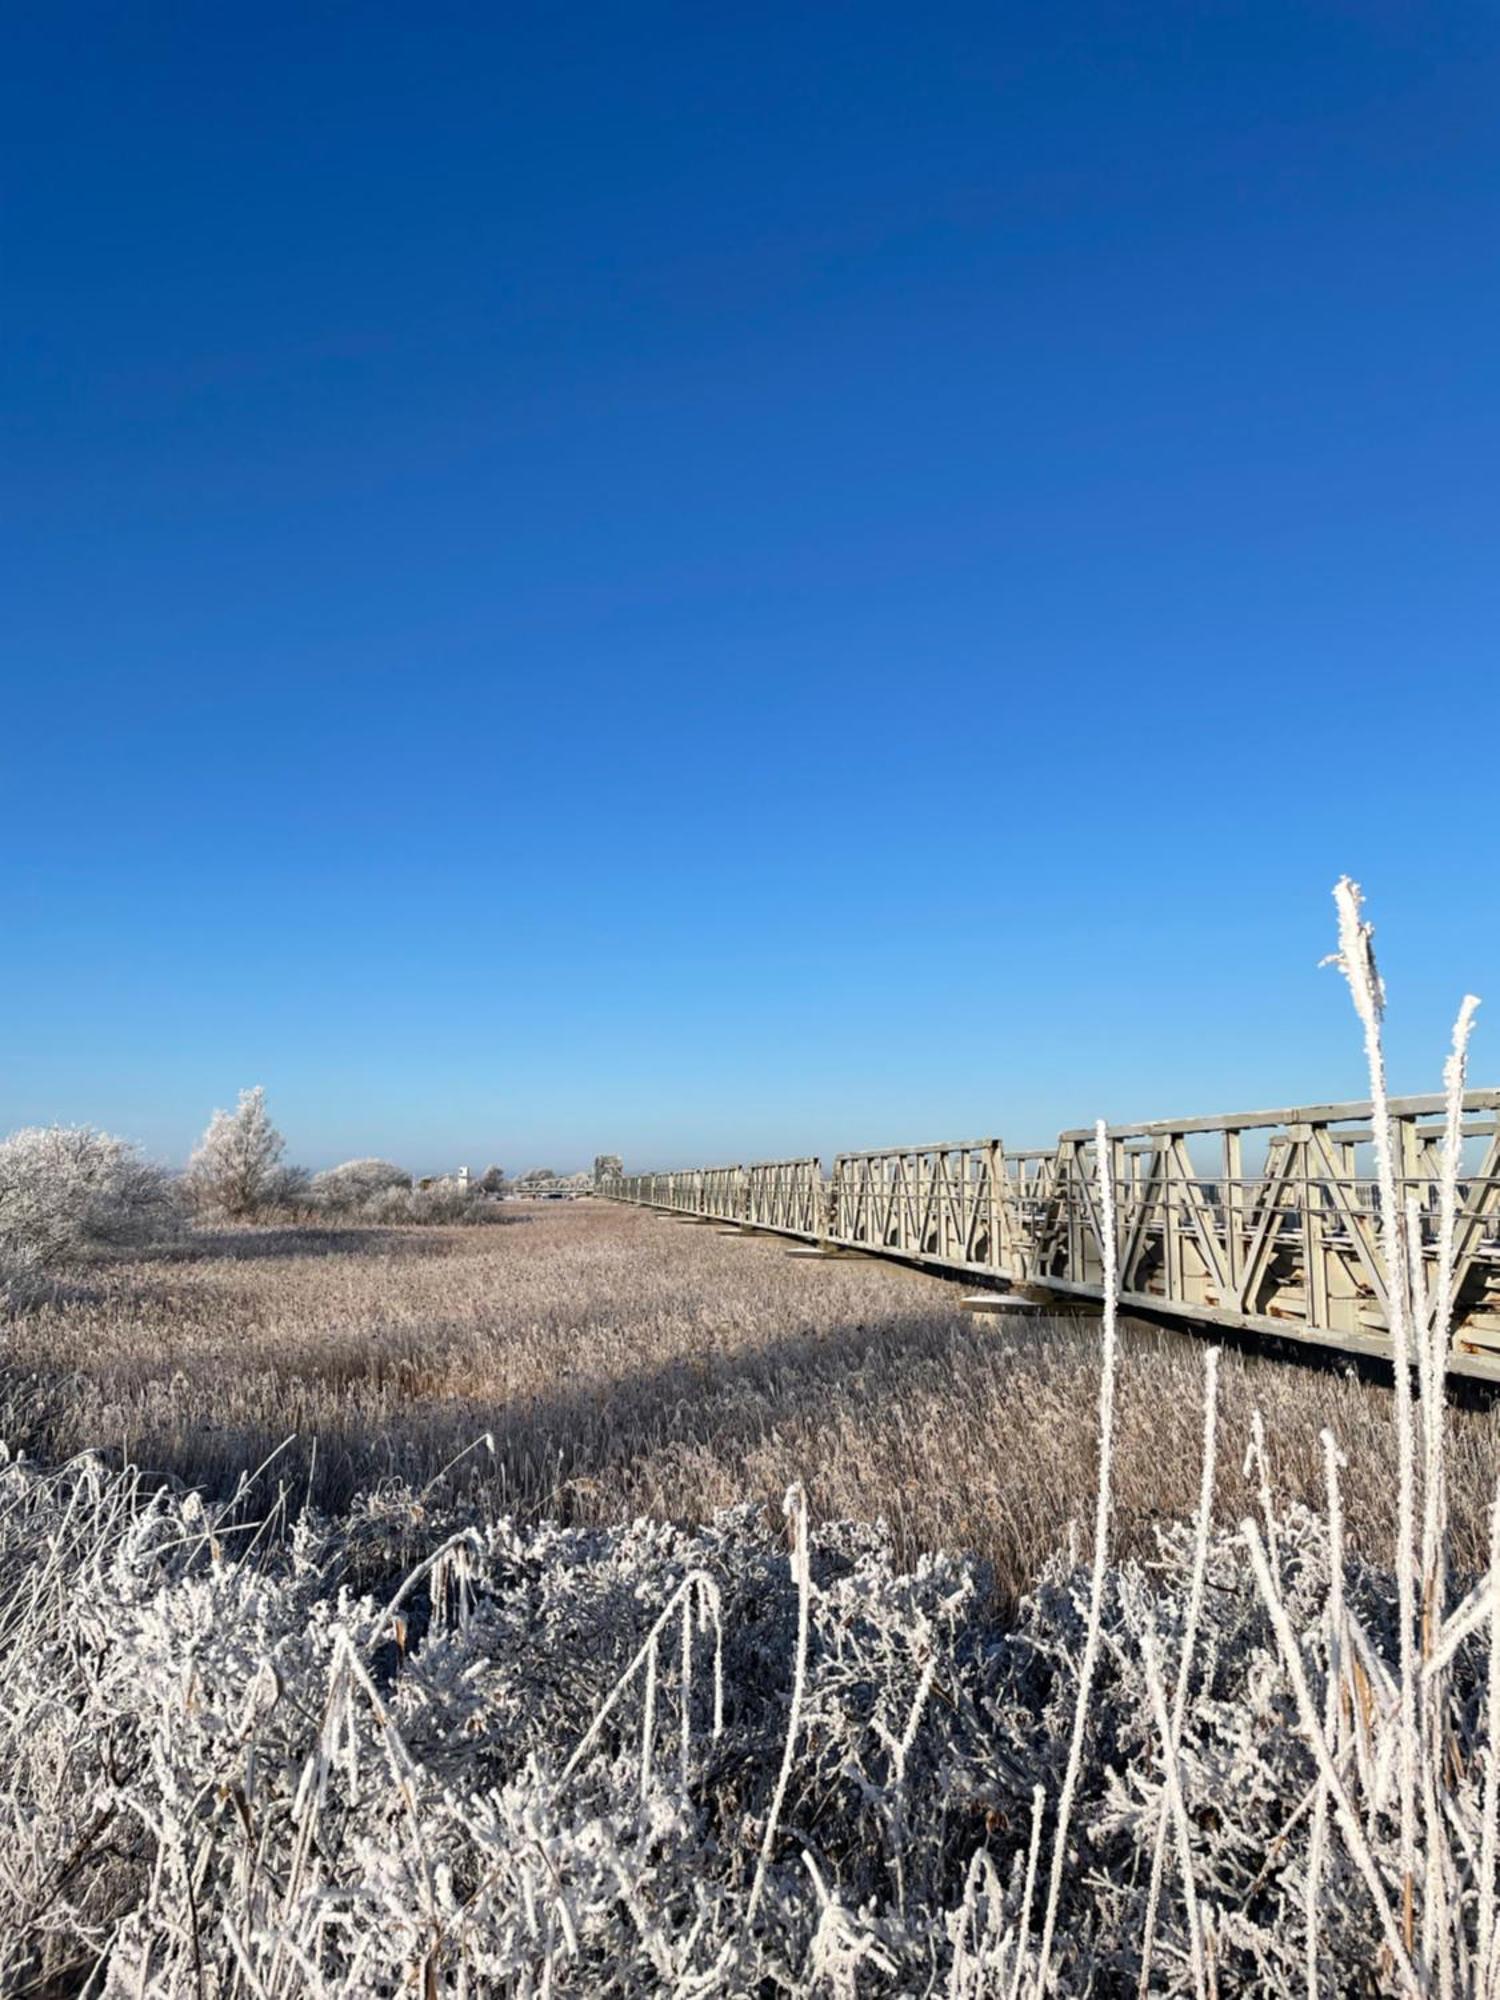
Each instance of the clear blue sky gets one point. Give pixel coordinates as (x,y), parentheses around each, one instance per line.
(713,582)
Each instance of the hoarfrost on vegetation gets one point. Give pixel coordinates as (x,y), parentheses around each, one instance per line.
(69,1191)
(237,1757)
(547,1759)
(236,1168)
(355,1182)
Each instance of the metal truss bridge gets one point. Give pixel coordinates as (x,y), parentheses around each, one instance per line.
(1266,1221)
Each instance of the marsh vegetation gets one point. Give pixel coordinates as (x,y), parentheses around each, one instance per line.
(621,1363)
(597,1604)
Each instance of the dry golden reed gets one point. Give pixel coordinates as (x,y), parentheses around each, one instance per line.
(627,1363)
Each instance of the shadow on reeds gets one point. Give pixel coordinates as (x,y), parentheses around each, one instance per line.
(964,1432)
(292,1240)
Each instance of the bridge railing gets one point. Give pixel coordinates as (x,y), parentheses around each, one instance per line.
(934,1202)
(1296,1244)
(722,1194)
(1266,1220)
(787,1195)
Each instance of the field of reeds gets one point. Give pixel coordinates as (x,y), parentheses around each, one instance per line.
(586,1362)
(597,1604)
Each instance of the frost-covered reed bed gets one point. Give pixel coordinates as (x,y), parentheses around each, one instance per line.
(626,1365)
(242,1757)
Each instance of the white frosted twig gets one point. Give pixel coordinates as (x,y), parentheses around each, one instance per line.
(980,1865)
(694,1580)
(1489,1838)
(1440,1327)
(1332,1460)
(1202,1529)
(1091,1641)
(1435,1338)
(1333,1463)
(1033,1853)
(648,1718)
(795,1508)
(1172,1788)
(1455,1078)
(466,1537)
(710,1610)
(1480,1604)
(687,1681)
(1356,959)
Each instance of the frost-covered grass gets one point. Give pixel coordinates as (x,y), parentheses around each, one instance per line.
(231,1765)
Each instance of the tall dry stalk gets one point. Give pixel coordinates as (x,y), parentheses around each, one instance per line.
(1356,960)
(1092,1636)
(795,1507)
(1423,1912)
(1202,1533)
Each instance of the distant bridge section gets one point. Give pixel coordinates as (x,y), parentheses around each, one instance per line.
(1263,1221)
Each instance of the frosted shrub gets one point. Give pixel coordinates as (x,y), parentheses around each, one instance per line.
(447,1201)
(236,1170)
(345,1189)
(68,1190)
(479,1773)
(444,1201)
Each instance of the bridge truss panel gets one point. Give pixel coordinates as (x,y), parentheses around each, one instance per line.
(789,1196)
(934,1202)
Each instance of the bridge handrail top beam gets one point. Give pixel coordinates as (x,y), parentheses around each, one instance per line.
(1433,1105)
(891,1152)
(1298,1114)
(1354,1112)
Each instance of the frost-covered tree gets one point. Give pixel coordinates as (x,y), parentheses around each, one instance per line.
(356,1182)
(65,1190)
(237,1166)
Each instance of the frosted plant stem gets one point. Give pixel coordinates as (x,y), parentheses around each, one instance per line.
(648,1721)
(1437,1328)
(1172,1799)
(1332,1459)
(687,1683)
(1257,1461)
(1202,1529)
(695,1579)
(1443,1925)
(1435,1495)
(1356,958)
(1091,1641)
(1033,1853)
(1489,1838)
(981,1868)
(1312,1731)
(795,1508)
